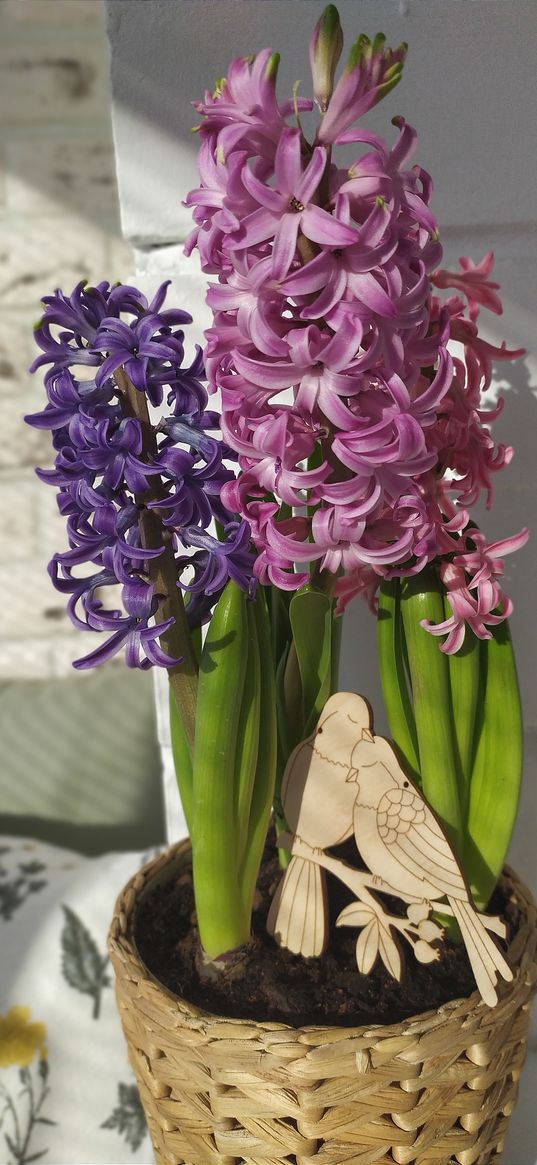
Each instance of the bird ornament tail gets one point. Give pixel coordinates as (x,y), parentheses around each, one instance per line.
(298,916)
(486,960)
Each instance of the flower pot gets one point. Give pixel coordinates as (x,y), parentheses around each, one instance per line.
(435,1089)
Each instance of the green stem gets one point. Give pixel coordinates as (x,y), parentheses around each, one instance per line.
(177,641)
(421,598)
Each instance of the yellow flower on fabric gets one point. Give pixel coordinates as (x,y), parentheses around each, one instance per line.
(20,1039)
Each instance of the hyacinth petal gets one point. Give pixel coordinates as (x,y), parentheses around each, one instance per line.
(321,227)
(271,376)
(102,653)
(369,291)
(256,228)
(290,548)
(288,162)
(330,296)
(341,349)
(310,277)
(265,195)
(312,175)
(285,242)
(508,545)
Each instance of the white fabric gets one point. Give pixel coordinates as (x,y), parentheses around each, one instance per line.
(90,1081)
(88,1072)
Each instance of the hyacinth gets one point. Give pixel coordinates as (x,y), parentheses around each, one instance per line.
(362,438)
(107,477)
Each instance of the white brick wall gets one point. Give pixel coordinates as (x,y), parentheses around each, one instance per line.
(58,224)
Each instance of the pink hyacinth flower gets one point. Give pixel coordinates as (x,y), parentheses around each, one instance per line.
(473,590)
(288,208)
(473,281)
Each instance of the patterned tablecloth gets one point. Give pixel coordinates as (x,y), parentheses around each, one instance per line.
(67,1093)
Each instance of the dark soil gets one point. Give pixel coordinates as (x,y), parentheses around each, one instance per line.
(280,986)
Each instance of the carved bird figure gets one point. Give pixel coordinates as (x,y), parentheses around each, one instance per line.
(404,845)
(318,803)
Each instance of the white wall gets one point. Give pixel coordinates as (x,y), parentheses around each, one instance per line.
(59,223)
(469,88)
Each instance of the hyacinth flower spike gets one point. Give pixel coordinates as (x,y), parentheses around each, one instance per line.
(344,317)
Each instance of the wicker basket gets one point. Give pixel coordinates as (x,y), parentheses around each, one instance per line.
(436,1089)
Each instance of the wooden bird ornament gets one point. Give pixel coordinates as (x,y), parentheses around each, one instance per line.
(344,780)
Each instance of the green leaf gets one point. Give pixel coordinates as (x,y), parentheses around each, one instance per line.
(278,608)
(397,698)
(265,773)
(337,631)
(221,919)
(284,742)
(421,599)
(497,771)
(248,733)
(182,759)
(310,614)
(465,680)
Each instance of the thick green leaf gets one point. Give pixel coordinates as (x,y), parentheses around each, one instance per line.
(182,759)
(393,673)
(221,920)
(497,771)
(278,608)
(248,734)
(265,773)
(421,598)
(465,680)
(337,631)
(310,614)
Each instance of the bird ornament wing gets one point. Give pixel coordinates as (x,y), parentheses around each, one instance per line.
(410,830)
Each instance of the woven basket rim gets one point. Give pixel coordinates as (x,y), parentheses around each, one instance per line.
(162,867)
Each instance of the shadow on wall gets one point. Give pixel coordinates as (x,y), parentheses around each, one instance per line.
(80,761)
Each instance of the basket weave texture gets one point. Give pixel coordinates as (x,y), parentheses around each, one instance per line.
(436,1089)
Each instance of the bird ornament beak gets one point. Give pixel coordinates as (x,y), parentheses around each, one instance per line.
(368,735)
(352,776)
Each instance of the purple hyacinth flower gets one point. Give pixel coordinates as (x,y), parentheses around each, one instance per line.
(131,631)
(104,474)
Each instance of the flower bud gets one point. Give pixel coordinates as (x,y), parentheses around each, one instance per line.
(325,50)
(271,71)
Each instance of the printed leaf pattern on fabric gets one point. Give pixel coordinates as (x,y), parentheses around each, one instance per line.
(16,887)
(128,1116)
(23,1113)
(83,967)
